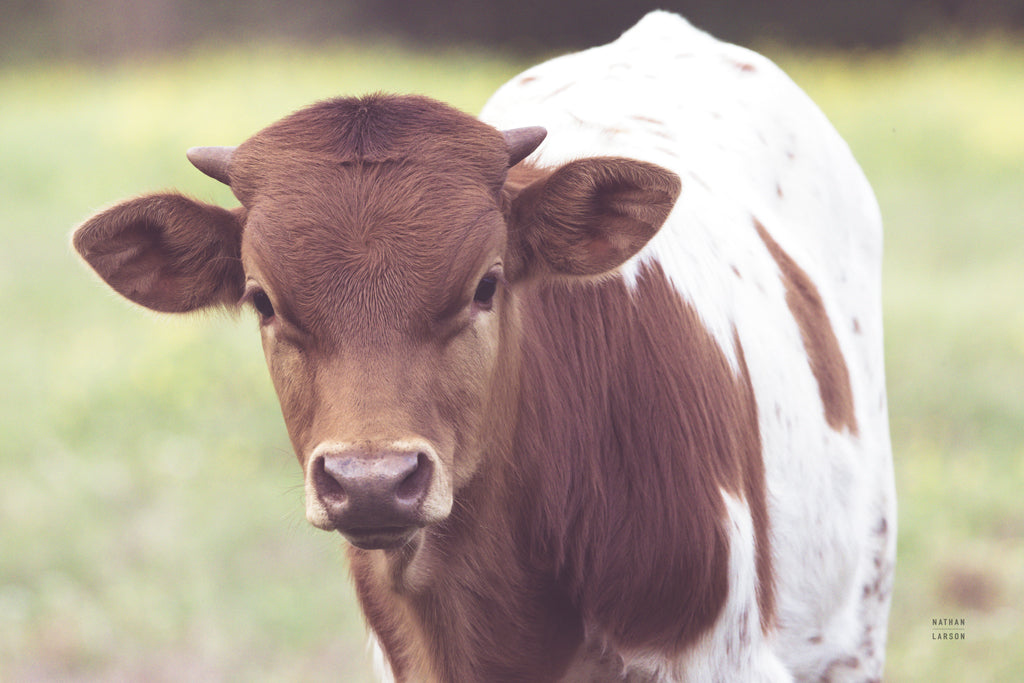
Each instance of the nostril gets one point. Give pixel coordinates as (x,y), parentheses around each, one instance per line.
(327,485)
(414,486)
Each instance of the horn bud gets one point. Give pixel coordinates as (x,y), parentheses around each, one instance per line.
(521,142)
(213,161)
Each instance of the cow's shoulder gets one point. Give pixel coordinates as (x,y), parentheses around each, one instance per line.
(751,149)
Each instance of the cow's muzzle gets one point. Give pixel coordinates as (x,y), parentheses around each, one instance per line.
(376,494)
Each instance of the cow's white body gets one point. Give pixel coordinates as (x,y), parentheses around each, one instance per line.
(747,142)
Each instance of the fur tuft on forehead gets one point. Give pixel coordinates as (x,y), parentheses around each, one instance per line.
(371,212)
(375,129)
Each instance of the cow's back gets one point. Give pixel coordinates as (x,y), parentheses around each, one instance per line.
(775,241)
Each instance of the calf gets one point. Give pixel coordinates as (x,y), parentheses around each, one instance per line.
(613,412)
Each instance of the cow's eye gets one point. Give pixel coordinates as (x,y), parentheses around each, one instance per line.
(261,302)
(484,295)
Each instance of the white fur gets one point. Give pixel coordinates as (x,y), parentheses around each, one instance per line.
(755,662)
(381,667)
(747,142)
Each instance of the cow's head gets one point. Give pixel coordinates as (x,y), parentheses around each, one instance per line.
(381,242)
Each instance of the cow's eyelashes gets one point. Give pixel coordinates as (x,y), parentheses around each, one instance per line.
(484,295)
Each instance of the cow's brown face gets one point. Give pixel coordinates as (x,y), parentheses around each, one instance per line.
(382,242)
(384,316)
(376,264)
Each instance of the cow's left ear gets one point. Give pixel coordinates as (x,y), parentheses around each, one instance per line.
(589,216)
(166,252)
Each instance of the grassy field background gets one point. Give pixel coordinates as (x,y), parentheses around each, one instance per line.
(151,523)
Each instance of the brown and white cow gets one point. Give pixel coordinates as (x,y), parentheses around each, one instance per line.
(616,412)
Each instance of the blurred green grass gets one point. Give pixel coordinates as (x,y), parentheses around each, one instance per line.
(151,523)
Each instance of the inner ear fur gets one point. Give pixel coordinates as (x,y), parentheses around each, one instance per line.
(166,252)
(589,216)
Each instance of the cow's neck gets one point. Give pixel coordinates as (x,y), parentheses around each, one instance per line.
(634,424)
(617,453)
(467,604)
(470,600)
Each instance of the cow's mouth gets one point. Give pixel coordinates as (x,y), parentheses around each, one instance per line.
(380,538)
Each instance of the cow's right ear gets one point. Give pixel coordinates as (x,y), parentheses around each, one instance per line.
(166,252)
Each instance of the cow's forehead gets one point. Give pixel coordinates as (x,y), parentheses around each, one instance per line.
(372,246)
(383,131)
(370,212)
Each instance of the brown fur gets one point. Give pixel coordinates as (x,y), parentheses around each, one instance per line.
(628,195)
(648,422)
(589,428)
(605,510)
(166,252)
(823,352)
